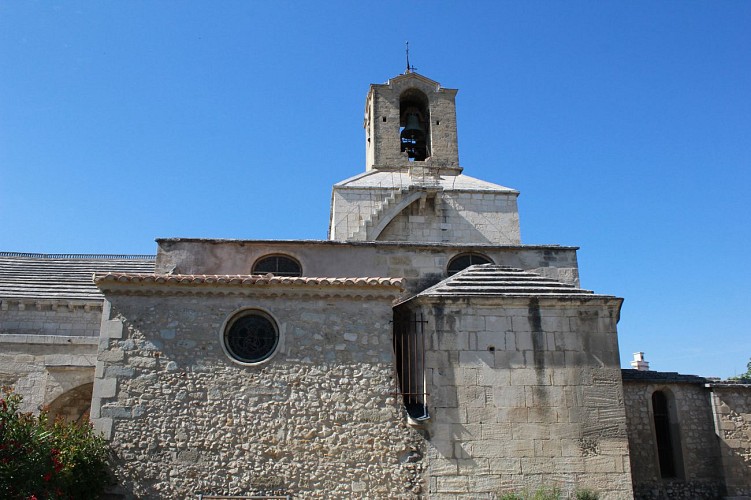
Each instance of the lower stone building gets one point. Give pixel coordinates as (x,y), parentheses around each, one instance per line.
(422,351)
(689,437)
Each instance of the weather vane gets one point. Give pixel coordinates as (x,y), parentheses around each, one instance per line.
(410,68)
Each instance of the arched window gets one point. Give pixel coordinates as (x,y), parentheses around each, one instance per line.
(667,436)
(278,265)
(465,260)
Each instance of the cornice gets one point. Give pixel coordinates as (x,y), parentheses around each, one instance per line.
(241,285)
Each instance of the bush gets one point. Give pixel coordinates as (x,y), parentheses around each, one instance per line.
(587,494)
(554,493)
(43,461)
(540,493)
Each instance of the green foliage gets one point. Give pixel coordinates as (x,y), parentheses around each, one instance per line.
(587,494)
(40,460)
(554,493)
(744,377)
(541,493)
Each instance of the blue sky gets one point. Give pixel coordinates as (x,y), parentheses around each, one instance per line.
(625,125)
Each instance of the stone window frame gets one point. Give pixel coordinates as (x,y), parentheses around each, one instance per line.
(248,311)
(292,259)
(466,254)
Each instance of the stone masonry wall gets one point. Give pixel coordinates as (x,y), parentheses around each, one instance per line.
(524,393)
(318,420)
(732,406)
(702,474)
(47,317)
(382,123)
(469,217)
(420,265)
(42,368)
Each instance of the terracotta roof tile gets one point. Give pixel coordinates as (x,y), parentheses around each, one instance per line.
(242,280)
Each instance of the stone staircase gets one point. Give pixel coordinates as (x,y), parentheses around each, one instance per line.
(366,225)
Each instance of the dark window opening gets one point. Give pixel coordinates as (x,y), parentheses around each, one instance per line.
(384,119)
(409,351)
(465,260)
(278,265)
(414,123)
(251,337)
(667,437)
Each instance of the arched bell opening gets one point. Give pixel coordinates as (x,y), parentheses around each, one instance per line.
(414,124)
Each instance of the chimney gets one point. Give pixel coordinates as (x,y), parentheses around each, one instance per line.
(638,363)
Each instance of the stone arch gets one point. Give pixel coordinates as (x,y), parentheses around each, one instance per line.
(73,405)
(387,217)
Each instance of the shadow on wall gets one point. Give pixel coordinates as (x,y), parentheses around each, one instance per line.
(73,405)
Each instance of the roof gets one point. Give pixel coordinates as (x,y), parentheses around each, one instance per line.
(398,179)
(62,276)
(655,377)
(631,375)
(412,75)
(241,280)
(491,280)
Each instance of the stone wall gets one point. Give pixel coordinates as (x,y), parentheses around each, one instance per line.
(420,265)
(318,420)
(50,317)
(42,368)
(700,474)
(458,216)
(48,351)
(524,393)
(732,406)
(383,145)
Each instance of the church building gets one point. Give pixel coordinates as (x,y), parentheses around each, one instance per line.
(422,351)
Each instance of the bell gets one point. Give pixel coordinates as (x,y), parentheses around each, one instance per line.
(413,131)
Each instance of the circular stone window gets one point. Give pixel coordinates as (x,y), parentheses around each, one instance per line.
(251,337)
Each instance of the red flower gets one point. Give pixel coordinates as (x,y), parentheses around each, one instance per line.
(47,476)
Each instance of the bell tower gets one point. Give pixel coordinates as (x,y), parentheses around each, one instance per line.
(411,120)
(413,188)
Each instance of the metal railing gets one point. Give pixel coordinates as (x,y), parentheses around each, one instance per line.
(409,356)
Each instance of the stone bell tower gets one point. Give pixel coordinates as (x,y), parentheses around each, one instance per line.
(413,188)
(411,119)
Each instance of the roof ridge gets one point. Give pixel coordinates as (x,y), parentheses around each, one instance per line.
(500,280)
(74,256)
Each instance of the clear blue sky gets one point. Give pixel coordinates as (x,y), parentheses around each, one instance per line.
(626,126)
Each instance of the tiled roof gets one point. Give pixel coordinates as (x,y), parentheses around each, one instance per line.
(62,276)
(493,280)
(631,375)
(242,280)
